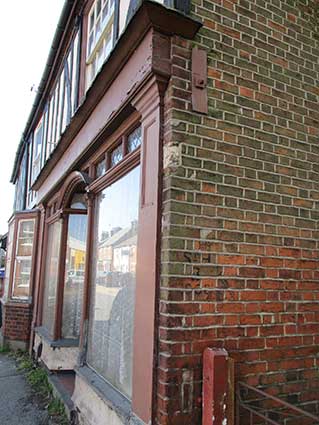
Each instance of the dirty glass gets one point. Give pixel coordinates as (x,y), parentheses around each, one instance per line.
(113,282)
(134,139)
(116,155)
(51,275)
(23,259)
(74,275)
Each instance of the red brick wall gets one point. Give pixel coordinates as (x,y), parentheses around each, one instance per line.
(17,322)
(241,207)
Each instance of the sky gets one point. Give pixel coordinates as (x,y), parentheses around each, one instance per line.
(26,36)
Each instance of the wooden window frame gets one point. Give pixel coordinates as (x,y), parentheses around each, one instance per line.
(120,136)
(22,216)
(52,216)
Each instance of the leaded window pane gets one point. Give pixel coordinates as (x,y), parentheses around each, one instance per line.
(116,155)
(101,168)
(134,139)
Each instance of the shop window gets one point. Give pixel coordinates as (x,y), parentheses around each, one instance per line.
(64,269)
(113,282)
(51,275)
(74,275)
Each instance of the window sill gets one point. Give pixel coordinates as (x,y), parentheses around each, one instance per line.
(109,395)
(65,342)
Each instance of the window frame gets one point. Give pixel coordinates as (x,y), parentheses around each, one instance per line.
(36,152)
(112,175)
(96,188)
(54,213)
(22,216)
(91,56)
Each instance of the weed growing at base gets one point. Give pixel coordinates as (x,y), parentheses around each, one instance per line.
(38,379)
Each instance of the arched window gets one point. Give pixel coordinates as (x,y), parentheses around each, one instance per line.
(65,260)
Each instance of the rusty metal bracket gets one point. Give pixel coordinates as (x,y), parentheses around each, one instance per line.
(199,81)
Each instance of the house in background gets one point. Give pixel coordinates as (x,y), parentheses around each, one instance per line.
(167,201)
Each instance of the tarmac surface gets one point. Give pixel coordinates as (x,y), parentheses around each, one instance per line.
(17,403)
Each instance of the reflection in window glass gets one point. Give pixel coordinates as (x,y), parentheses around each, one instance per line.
(100,36)
(134,139)
(101,168)
(74,275)
(51,275)
(113,282)
(22,268)
(116,155)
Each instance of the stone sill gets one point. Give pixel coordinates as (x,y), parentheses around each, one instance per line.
(64,342)
(109,395)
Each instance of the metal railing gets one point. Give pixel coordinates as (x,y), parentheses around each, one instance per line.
(256,407)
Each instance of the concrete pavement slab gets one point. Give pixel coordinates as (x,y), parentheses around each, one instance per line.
(17,405)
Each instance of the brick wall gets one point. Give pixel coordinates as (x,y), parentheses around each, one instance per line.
(241,207)
(17,322)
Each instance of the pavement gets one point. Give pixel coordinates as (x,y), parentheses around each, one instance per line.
(17,403)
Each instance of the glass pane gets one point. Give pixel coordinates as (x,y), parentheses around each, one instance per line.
(101,168)
(22,265)
(116,155)
(113,282)
(61,106)
(22,277)
(51,275)
(74,275)
(108,43)
(134,139)
(75,70)
(124,7)
(91,20)
(97,30)
(105,11)
(78,201)
(25,238)
(98,7)
(90,46)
